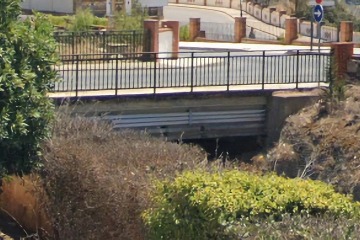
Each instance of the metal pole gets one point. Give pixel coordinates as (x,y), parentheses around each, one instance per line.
(311,34)
(319,35)
(263,71)
(241,9)
(77,76)
(228,71)
(297,69)
(192,72)
(155,62)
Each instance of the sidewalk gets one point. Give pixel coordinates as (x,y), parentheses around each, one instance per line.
(244,47)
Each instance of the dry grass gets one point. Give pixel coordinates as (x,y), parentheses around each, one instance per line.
(23,200)
(324,139)
(98,180)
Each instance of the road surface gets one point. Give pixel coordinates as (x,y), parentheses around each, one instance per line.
(219,24)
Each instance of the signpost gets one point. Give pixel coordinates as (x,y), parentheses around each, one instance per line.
(318,13)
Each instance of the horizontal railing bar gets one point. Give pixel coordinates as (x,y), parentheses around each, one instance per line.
(193,120)
(167,123)
(184,114)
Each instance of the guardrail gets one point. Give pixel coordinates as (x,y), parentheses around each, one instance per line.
(190,70)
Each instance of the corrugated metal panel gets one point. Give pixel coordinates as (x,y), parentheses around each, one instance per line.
(195,124)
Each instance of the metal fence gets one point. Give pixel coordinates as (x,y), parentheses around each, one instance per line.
(95,42)
(218,31)
(225,32)
(191,69)
(256,33)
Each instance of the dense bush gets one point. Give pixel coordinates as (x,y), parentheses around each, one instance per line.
(98,180)
(27,52)
(82,21)
(184,33)
(202,205)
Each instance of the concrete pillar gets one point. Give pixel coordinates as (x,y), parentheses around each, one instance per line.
(343,52)
(151,38)
(240,28)
(291,30)
(194,28)
(175,28)
(283,104)
(346,31)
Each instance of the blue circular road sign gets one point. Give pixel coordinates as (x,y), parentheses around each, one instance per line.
(318,13)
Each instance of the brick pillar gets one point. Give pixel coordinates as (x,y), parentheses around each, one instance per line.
(205,2)
(290,30)
(175,28)
(346,31)
(343,52)
(194,28)
(240,28)
(151,37)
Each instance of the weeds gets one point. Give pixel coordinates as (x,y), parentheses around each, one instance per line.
(98,180)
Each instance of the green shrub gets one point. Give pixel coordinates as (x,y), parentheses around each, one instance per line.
(200,205)
(27,52)
(82,21)
(125,22)
(59,20)
(184,33)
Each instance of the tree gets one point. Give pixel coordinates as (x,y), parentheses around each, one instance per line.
(27,57)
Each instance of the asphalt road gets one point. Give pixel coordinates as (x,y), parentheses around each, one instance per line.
(183,14)
(217,24)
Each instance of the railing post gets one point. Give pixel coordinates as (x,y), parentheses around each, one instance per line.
(116,74)
(263,71)
(77,76)
(155,61)
(192,72)
(104,41)
(73,43)
(133,41)
(331,76)
(297,69)
(228,72)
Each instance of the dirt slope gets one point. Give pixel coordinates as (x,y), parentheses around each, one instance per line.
(323,142)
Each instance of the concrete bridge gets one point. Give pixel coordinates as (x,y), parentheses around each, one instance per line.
(201,115)
(236,95)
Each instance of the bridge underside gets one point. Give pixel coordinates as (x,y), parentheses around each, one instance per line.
(190,117)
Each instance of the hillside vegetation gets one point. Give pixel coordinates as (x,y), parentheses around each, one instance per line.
(322,142)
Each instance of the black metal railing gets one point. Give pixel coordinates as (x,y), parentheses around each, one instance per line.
(96,42)
(258,34)
(218,31)
(191,70)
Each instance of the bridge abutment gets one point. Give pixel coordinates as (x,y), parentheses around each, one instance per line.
(283,104)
